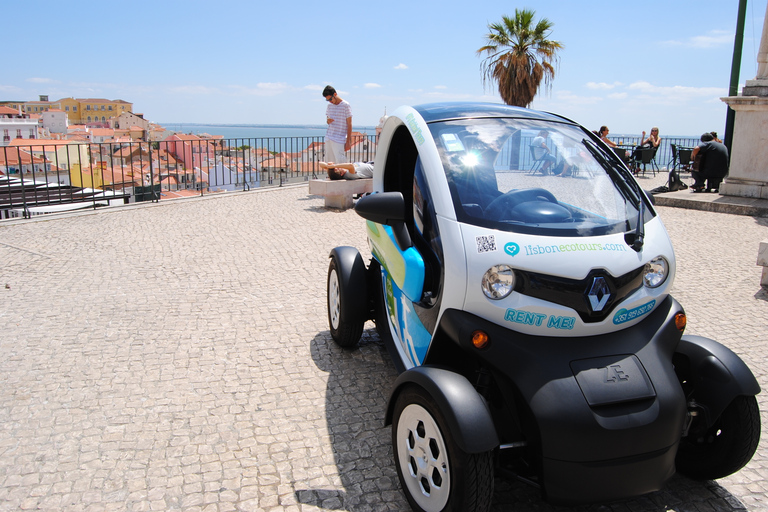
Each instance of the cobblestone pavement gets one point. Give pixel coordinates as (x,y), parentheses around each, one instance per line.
(177,357)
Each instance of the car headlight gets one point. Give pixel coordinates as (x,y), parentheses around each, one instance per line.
(655,272)
(498,282)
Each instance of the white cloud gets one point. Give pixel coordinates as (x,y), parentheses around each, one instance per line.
(569,98)
(712,39)
(371,85)
(675,94)
(441,87)
(401,66)
(602,86)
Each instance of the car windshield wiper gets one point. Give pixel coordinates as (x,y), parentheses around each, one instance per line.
(621,178)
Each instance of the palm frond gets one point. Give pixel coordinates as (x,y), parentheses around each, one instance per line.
(519,57)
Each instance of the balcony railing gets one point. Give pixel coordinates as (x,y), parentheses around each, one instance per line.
(59,176)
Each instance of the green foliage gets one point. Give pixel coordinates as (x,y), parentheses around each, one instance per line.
(518,56)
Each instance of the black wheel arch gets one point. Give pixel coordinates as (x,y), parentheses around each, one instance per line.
(353,281)
(465,410)
(716,374)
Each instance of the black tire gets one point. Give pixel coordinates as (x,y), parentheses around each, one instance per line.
(378,301)
(344,331)
(725,447)
(435,474)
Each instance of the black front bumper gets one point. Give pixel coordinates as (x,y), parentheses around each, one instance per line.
(604,413)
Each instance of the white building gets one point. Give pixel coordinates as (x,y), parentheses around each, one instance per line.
(15,125)
(55,120)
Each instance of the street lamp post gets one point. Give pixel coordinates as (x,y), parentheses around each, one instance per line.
(733,89)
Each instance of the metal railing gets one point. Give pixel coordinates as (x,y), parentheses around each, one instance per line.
(47,176)
(664,153)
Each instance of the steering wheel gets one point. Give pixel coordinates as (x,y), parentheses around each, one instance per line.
(500,207)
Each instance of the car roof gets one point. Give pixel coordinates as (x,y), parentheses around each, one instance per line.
(433,112)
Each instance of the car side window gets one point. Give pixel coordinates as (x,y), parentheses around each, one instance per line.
(427,234)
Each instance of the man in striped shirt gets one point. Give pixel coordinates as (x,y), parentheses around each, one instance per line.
(338,137)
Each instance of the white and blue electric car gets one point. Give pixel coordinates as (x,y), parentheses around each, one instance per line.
(520,279)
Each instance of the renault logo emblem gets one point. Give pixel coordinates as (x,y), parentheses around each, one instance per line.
(598,294)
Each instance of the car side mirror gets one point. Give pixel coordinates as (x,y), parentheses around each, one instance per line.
(387,208)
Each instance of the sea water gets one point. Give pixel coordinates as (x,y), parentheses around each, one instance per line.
(256,131)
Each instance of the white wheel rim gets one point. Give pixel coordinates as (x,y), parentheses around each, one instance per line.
(334,299)
(423,458)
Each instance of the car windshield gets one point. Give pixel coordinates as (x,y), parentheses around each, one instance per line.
(533,176)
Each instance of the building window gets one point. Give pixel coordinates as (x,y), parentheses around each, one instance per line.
(102,107)
(66,109)
(18,133)
(87,107)
(74,109)
(110,108)
(89,119)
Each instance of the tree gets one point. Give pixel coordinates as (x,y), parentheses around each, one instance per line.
(519,56)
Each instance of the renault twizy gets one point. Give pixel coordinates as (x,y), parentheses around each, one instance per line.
(520,280)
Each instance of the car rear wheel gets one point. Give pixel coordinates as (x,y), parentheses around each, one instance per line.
(435,474)
(726,446)
(345,331)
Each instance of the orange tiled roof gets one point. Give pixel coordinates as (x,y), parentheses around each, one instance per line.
(38,142)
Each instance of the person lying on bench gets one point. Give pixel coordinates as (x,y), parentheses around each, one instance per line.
(354,171)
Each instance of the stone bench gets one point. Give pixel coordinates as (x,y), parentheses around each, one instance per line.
(762,261)
(339,193)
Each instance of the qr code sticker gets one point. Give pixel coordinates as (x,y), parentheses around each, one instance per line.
(485,243)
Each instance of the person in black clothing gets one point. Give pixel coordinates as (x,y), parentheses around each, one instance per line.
(712,158)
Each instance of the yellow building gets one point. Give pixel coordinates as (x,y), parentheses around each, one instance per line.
(79,110)
(96,110)
(72,107)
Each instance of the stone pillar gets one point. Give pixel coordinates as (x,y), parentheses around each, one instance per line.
(748,173)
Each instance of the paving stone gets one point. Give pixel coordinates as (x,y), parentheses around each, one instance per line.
(177,356)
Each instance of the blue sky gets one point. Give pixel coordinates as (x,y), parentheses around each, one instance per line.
(628,65)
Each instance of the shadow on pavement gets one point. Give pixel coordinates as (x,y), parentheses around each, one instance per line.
(359,381)
(356,395)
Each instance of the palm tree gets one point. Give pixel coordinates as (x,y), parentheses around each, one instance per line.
(519,56)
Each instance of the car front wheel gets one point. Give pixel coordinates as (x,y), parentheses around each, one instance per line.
(435,474)
(726,446)
(345,331)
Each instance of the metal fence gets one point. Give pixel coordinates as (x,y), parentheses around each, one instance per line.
(663,156)
(44,176)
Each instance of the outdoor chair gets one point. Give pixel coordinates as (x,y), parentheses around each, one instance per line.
(672,165)
(684,157)
(647,156)
(621,153)
(537,162)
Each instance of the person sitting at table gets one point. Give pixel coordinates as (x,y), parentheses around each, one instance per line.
(541,151)
(652,142)
(710,163)
(653,139)
(603,134)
